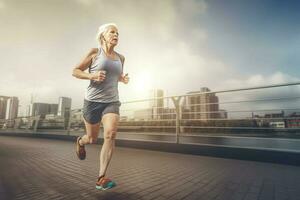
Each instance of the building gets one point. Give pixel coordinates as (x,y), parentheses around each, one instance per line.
(9,107)
(293,120)
(12,108)
(41,109)
(76,115)
(53,109)
(275,115)
(64,106)
(169,113)
(279,124)
(157,104)
(223,114)
(202,105)
(3,104)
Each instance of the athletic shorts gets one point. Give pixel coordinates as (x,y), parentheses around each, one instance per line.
(94,111)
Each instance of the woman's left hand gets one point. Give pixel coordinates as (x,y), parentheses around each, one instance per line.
(125,78)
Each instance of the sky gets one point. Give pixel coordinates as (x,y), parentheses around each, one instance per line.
(177,46)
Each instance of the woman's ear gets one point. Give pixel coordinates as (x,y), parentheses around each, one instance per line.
(102,37)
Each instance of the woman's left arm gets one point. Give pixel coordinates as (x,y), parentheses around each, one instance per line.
(123,78)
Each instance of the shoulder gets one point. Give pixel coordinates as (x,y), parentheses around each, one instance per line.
(92,54)
(93,51)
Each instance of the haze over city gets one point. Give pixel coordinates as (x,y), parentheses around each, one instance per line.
(177,46)
(211,109)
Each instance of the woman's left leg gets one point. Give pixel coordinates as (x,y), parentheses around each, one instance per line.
(110,123)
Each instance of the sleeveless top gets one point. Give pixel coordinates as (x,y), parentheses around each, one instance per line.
(107,90)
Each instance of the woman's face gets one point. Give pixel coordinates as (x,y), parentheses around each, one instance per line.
(111,36)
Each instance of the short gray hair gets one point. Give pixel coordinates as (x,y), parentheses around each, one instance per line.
(102,29)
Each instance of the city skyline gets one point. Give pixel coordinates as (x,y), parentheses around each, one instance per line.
(201,104)
(197,107)
(178,46)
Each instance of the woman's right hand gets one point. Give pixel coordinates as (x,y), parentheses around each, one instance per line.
(98,76)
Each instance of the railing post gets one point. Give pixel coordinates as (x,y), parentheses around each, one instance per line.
(28,123)
(37,120)
(69,127)
(16,123)
(176,102)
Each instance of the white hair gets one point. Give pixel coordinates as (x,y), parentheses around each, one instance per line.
(102,29)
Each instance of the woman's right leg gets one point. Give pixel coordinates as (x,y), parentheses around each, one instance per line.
(92,132)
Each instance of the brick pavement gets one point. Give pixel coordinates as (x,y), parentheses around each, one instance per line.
(32,168)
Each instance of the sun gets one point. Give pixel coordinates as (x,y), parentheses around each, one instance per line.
(143,83)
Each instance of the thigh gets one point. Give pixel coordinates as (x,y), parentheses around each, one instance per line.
(92,112)
(92,130)
(92,117)
(110,122)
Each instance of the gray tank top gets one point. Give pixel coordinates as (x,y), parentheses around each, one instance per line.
(107,90)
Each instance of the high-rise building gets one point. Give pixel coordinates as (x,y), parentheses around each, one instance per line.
(202,104)
(9,107)
(3,104)
(157,104)
(62,109)
(53,109)
(40,109)
(223,114)
(12,108)
(64,106)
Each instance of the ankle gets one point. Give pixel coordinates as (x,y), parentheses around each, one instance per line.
(101,177)
(80,142)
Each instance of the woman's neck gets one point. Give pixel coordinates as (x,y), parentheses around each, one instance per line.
(108,49)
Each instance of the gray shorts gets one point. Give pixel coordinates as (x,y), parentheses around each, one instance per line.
(94,111)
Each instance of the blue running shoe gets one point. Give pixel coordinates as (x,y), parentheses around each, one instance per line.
(105,184)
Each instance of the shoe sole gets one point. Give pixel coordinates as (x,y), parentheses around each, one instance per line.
(107,188)
(77,153)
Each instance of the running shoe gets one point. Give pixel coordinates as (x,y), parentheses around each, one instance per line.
(104,183)
(80,150)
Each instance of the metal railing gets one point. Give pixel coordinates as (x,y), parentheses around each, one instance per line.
(271,113)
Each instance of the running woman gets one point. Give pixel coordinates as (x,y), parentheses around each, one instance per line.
(101,102)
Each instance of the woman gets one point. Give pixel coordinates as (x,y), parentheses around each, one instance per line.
(101,102)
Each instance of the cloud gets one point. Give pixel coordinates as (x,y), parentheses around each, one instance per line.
(274,98)
(156,37)
(260,80)
(2,5)
(193,6)
(86,2)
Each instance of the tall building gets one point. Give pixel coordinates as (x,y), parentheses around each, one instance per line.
(12,108)
(157,104)
(169,113)
(3,104)
(40,109)
(9,107)
(62,109)
(223,114)
(64,106)
(202,105)
(53,109)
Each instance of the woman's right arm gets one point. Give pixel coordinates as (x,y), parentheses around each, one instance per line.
(79,69)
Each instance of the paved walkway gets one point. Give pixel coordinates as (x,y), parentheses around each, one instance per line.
(32,168)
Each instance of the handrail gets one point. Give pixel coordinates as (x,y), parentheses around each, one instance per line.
(218,91)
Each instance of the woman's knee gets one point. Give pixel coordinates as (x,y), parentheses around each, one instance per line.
(110,134)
